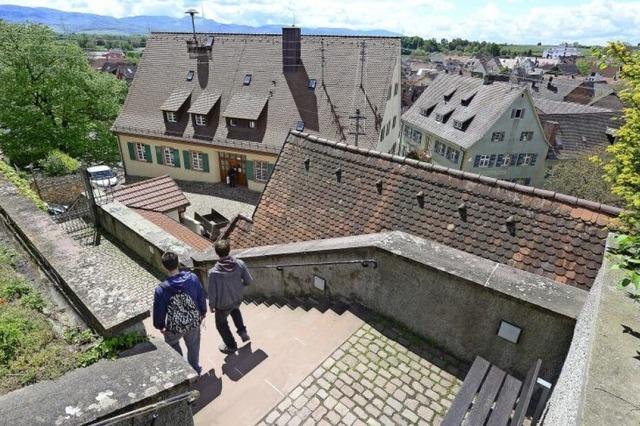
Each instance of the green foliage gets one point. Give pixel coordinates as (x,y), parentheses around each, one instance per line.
(57,163)
(627,258)
(22,184)
(582,178)
(50,98)
(7,256)
(110,347)
(583,66)
(77,336)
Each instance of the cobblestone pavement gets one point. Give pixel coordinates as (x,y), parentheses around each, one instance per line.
(374,379)
(228,208)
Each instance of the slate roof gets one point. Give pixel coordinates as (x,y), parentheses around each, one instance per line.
(175,100)
(499,95)
(176,229)
(546,233)
(557,91)
(160,194)
(325,110)
(204,103)
(246,105)
(547,106)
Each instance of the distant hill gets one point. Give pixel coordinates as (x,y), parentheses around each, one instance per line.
(72,22)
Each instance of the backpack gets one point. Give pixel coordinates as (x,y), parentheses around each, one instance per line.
(182,313)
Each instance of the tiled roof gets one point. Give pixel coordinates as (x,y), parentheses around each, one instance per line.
(247,105)
(547,106)
(204,103)
(556,91)
(543,232)
(176,229)
(160,194)
(175,100)
(325,110)
(499,95)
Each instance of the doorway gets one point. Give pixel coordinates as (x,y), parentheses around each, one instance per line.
(228,161)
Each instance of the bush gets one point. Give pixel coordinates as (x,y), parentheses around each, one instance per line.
(58,163)
(22,184)
(110,347)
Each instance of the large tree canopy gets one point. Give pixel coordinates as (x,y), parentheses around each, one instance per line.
(50,98)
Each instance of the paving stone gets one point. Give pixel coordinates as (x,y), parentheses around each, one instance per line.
(295,421)
(349,419)
(283,420)
(347,390)
(386,421)
(399,420)
(307,382)
(411,404)
(311,390)
(372,422)
(319,372)
(338,384)
(440,389)
(341,409)
(300,402)
(322,394)
(395,404)
(425,412)
(333,417)
(380,392)
(367,394)
(359,411)
(358,387)
(313,403)
(372,410)
(309,422)
(323,383)
(410,415)
(360,400)
(335,393)
(348,402)
(272,417)
(330,402)
(319,412)
(286,403)
(337,354)
(399,395)
(296,393)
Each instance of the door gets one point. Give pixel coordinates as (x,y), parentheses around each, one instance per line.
(230,160)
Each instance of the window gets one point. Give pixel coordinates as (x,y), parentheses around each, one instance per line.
(517,113)
(311,84)
(395,89)
(201,120)
(504,160)
(484,161)
(252,124)
(416,136)
(197,162)
(247,79)
(141,152)
(457,124)
(439,118)
(300,126)
(382,134)
(388,128)
(440,148)
(171,116)
(526,160)
(394,122)
(389,93)
(190,75)
(233,122)
(167,155)
(526,136)
(497,136)
(261,170)
(453,155)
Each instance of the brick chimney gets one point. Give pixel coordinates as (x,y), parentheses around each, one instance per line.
(291,42)
(551,132)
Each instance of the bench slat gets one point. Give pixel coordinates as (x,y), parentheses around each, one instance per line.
(486,396)
(506,400)
(465,396)
(525,394)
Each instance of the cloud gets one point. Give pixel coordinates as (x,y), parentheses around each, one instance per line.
(512,21)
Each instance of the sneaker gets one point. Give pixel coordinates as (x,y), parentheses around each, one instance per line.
(225,350)
(244,336)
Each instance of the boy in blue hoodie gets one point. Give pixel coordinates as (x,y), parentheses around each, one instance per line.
(179,306)
(227,280)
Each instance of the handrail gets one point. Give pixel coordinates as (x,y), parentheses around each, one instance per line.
(364,262)
(190,396)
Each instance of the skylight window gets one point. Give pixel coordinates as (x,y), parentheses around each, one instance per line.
(247,79)
(311,84)
(300,126)
(190,75)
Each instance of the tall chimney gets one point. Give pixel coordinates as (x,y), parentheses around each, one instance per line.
(551,131)
(291,49)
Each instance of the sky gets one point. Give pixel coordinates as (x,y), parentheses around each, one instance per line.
(511,21)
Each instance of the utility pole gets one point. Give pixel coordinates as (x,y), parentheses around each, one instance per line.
(357,118)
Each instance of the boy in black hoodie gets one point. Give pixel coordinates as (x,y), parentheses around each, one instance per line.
(227,280)
(179,306)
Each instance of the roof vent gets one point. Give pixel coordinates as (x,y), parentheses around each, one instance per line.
(190,75)
(307,161)
(338,173)
(511,224)
(379,186)
(462,211)
(247,79)
(420,198)
(300,126)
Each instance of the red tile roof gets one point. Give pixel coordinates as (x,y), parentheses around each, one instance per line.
(543,232)
(176,229)
(160,194)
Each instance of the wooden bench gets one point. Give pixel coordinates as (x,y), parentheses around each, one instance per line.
(491,397)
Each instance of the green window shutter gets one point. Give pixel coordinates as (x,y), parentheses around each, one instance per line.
(159,156)
(187,159)
(132,150)
(147,153)
(176,157)
(249,168)
(270,168)
(205,162)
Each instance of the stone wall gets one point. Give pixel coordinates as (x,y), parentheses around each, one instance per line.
(444,295)
(58,189)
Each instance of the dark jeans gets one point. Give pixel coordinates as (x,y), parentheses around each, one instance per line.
(191,341)
(223,325)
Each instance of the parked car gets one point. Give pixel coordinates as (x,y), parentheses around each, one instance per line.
(56,209)
(102,176)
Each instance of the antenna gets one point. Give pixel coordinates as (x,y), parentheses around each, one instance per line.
(357,118)
(193,13)
(322,60)
(363,55)
(293,13)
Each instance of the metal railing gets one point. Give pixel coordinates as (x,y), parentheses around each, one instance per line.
(365,263)
(190,397)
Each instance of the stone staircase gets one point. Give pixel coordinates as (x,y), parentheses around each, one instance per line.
(305,303)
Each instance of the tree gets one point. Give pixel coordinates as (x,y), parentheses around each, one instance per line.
(50,98)
(583,179)
(583,67)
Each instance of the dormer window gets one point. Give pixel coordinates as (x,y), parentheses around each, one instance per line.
(252,124)
(300,126)
(311,84)
(190,75)
(427,111)
(201,120)
(171,117)
(439,118)
(449,95)
(247,79)
(458,124)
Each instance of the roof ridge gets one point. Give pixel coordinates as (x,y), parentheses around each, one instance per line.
(529,190)
(190,33)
